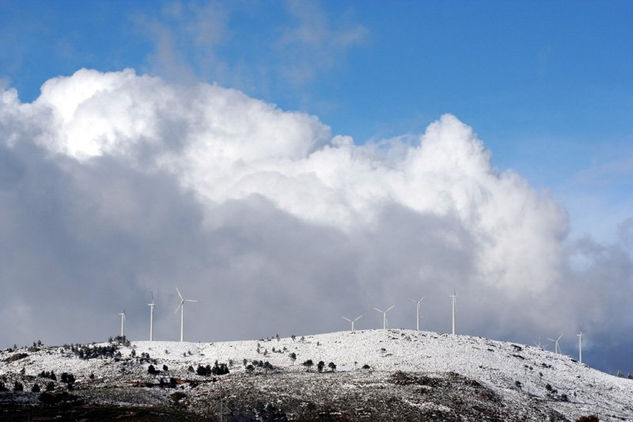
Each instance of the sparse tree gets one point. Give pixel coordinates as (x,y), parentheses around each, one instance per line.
(35,388)
(308,363)
(320,366)
(332,366)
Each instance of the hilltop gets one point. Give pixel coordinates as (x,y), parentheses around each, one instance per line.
(374,375)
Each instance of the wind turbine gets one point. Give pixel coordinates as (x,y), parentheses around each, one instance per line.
(151,318)
(579,346)
(352,321)
(417,311)
(556,346)
(454,299)
(122,315)
(181,306)
(384,315)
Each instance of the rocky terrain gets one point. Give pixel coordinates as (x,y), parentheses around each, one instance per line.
(364,375)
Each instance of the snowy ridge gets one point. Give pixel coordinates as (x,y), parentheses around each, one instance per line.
(515,372)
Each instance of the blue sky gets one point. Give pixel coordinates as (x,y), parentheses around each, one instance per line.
(548,86)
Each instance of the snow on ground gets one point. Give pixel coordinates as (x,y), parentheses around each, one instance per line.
(511,370)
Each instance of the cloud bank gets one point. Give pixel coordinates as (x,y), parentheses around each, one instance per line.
(114,185)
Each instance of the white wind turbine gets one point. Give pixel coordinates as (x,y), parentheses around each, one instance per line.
(122,315)
(579,346)
(454,299)
(352,321)
(384,315)
(556,343)
(417,311)
(181,306)
(151,318)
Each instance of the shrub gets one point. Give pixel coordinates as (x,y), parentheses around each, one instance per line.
(589,418)
(320,366)
(68,378)
(293,356)
(17,387)
(35,388)
(332,366)
(204,370)
(250,368)
(308,363)
(165,368)
(151,370)
(365,366)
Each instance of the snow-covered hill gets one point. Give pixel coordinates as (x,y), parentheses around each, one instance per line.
(527,381)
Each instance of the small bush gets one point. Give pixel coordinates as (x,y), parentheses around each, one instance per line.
(308,363)
(332,366)
(35,388)
(320,366)
(151,370)
(18,387)
(165,368)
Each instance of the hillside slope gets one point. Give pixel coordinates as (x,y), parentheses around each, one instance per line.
(406,375)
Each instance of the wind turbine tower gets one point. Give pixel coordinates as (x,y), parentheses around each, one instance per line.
(352,321)
(454,299)
(151,319)
(122,315)
(579,346)
(417,311)
(384,315)
(181,306)
(556,343)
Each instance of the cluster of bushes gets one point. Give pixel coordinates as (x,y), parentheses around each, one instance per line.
(259,364)
(122,340)
(145,358)
(18,387)
(320,366)
(217,369)
(93,352)
(46,374)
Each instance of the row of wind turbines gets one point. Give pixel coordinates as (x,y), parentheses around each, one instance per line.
(180,307)
(352,321)
(418,303)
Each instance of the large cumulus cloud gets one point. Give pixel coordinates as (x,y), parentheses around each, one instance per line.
(114,185)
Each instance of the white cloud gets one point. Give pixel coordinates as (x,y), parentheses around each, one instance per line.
(254,206)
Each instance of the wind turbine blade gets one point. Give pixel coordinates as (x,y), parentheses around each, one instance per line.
(358,317)
(347,319)
(181,298)
(190,300)
(551,339)
(390,308)
(179,306)
(379,310)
